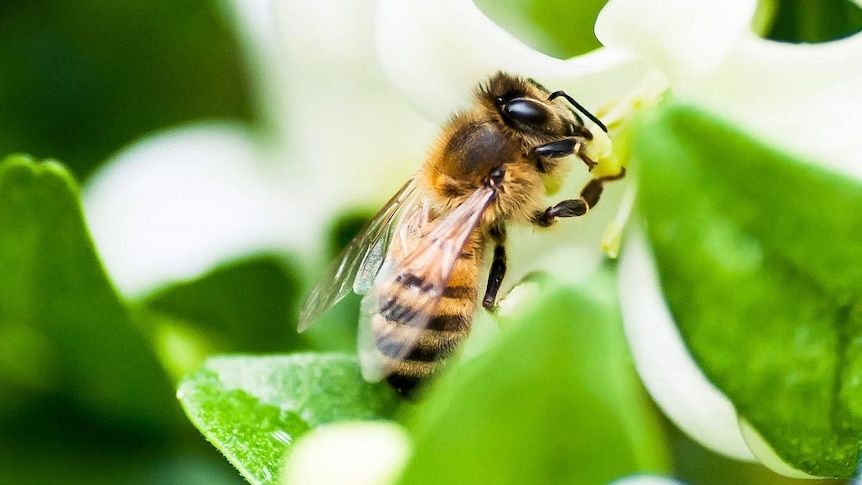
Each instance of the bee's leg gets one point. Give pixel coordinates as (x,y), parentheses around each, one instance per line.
(564,148)
(565,208)
(498,268)
(576,207)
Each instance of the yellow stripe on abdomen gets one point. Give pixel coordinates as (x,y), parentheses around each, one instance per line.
(414,344)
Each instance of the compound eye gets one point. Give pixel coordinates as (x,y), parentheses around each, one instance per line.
(525,113)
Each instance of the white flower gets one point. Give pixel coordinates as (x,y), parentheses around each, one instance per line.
(352,453)
(436,52)
(803,98)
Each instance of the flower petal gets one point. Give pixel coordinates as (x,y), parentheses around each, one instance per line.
(351,137)
(799,97)
(172,205)
(362,453)
(664,364)
(436,51)
(703,33)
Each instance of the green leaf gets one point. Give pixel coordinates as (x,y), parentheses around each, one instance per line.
(248,305)
(65,332)
(560,28)
(805,21)
(253,408)
(555,400)
(759,257)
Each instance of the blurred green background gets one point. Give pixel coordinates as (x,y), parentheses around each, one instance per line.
(79,80)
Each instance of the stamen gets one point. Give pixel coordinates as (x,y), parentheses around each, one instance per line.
(612,238)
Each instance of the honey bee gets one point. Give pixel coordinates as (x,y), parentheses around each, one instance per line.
(418,261)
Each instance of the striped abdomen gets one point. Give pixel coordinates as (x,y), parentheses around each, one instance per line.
(448,322)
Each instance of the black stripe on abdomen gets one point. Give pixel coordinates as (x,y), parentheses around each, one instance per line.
(436,344)
(398,314)
(448,323)
(390,347)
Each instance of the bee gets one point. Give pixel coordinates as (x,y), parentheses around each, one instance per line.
(418,261)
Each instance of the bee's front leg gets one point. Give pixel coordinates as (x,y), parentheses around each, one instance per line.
(576,207)
(498,268)
(564,148)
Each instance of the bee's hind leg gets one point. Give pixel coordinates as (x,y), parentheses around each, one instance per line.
(576,207)
(498,268)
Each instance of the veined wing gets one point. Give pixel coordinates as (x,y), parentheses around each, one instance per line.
(359,262)
(406,293)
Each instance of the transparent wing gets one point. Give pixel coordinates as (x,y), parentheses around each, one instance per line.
(407,290)
(359,262)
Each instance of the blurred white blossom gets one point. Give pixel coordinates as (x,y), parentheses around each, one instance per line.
(645,480)
(354,453)
(335,136)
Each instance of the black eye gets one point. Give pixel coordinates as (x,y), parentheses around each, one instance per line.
(525,113)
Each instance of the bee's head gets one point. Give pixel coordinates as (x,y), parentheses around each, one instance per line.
(532,111)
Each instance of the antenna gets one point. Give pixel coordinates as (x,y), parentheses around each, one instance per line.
(580,108)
